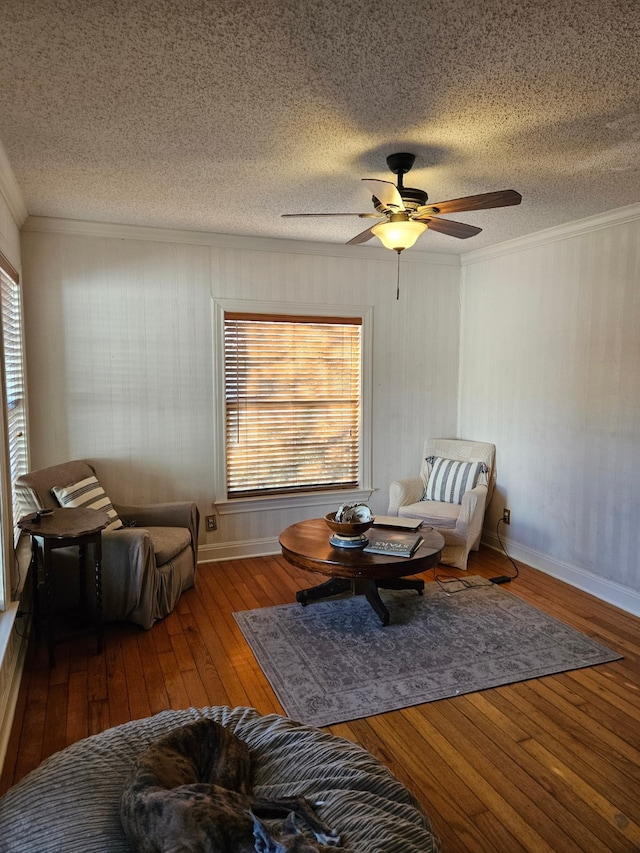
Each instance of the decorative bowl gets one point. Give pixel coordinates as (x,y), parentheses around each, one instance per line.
(347,528)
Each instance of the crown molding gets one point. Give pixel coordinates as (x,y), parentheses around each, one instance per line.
(611,218)
(11,191)
(54,225)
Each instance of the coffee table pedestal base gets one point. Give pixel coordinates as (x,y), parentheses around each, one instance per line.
(359,586)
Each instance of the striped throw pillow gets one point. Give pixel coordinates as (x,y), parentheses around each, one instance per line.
(449,480)
(89,494)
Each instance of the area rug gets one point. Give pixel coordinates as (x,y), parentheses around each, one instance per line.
(332,661)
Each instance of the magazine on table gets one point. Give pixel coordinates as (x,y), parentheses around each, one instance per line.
(392,542)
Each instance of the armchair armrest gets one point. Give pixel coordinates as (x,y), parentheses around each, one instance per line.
(469,524)
(406,491)
(172,514)
(470,502)
(129,566)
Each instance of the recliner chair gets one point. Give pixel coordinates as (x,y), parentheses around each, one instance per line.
(145,566)
(445,497)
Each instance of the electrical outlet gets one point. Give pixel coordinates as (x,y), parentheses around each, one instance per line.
(211,522)
(506,515)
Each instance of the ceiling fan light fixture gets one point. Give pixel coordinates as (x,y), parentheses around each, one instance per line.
(399,236)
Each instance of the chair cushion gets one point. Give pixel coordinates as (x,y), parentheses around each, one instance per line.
(439,514)
(449,479)
(168,542)
(88,493)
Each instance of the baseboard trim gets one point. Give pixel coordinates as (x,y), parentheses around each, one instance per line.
(13,651)
(238,550)
(606,590)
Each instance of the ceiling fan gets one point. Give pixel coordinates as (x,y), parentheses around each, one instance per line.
(407,214)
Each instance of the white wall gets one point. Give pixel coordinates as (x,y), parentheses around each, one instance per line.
(550,371)
(120,357)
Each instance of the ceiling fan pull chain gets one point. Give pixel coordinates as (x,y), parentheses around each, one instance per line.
(398,281)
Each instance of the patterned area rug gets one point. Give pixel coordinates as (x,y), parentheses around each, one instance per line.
(332,661)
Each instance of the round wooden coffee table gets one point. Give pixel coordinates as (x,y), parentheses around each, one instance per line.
(306,545)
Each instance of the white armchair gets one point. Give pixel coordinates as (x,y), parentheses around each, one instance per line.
(450,498)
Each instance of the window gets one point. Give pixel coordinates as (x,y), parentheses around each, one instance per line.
(293,403)
(13,453)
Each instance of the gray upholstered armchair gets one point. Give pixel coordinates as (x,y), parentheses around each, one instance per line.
(448,494)
(145,567)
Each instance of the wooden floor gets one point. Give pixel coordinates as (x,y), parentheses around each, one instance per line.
(551,764)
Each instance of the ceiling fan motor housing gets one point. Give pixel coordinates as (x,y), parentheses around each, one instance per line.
(412,199)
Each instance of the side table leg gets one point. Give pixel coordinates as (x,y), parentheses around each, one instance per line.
(48,589)
(97,553)
(82,576)
(33,568)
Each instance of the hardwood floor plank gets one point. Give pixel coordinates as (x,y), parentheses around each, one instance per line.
(118,699)
(177,694)
(575,751)
(31,753)
(602,740)
(218,638)
(538,780)
(152,672)
(508,790)
(550,764)
(77,722)
(99,719)
(182,652)
(138,697)
(453,752)
(55,722)
(196,691)
(596,689)
(205,667)
(618,831)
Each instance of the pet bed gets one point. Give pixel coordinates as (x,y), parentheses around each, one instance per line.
(71,802)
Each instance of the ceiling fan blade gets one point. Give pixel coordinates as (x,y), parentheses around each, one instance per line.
(361,215)
(386,192)
(484,201)
(449,227)
(362,237)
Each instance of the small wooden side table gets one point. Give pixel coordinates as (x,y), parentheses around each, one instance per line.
(61,529)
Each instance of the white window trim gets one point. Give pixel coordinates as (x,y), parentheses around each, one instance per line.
(315,498)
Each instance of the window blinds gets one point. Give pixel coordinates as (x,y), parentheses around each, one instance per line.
(13,444)
(13,373)
(292,391)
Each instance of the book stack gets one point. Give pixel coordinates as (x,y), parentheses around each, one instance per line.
(393,543)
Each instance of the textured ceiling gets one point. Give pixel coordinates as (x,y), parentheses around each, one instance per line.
(220,116)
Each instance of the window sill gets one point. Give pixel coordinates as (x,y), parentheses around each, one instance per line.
(7,619)
(276,502)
